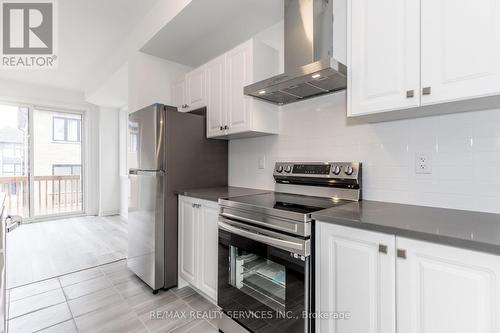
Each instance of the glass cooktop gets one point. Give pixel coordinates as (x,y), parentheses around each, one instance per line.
(290,202)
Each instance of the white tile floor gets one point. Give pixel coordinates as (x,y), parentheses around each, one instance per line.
(43,250)
(107,298)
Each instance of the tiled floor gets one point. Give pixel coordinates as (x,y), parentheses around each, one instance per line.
(107,298)
(43,250)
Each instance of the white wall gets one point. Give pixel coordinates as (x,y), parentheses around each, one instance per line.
(465,150)
(109,178)
(92,161)
(149,25)
(150,79)
(124,181)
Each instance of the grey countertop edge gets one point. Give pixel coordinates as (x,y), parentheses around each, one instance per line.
(416,235)
(216,193)
(197,196)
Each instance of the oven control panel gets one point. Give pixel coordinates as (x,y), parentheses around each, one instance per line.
(323,170)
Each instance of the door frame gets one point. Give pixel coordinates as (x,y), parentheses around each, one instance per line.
(84,155)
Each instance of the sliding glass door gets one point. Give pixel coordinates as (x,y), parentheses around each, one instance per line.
(42,172)
(57,162)
(14,158)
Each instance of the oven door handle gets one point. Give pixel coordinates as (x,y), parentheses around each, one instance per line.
(287,245)
(246,219)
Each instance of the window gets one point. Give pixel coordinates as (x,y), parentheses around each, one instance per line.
(133,143)
(133,137)
(66,170)
(10,169)
(66,129)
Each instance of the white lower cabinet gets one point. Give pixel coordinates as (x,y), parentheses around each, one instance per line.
(382,280)
(208,251)
(442,289)
(198,244)
(355,273)
(188,235)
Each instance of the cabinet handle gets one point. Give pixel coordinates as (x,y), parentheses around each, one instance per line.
(226,127)
(401,253)
(222,128)
(410,93)
(382,248)
(426,91)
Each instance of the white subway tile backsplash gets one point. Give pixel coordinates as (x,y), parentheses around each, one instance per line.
(465,151)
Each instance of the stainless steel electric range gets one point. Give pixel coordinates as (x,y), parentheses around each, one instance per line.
(266,246)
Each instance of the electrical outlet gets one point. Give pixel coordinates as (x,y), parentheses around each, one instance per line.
(262,162)
(423,163)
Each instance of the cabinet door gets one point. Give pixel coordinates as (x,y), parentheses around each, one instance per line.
(460,49)
(195,89)
(383,55)
(178,94)
(188,239)
(355,273)
(238,73)
(443,289)
(216,94)
(208,249)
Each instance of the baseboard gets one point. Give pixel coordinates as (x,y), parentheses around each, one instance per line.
(110,213)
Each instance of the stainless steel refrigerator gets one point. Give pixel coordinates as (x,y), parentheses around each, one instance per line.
(167,151)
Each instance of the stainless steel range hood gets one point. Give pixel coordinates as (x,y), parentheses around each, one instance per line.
(310,70)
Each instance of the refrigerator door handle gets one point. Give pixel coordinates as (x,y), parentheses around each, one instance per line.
(137,172)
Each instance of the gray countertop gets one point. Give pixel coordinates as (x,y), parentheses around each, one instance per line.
(465,229)
(216,193)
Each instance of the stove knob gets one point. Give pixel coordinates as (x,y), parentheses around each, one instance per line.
(288,169)
(279,168)
(336,170)
(349,170)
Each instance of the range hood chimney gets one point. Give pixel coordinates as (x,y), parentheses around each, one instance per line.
(310,70)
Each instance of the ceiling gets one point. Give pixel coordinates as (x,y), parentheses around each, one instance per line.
(88,31)
(113,93)
(205,29)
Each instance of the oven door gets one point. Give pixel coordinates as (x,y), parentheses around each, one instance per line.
(264,278)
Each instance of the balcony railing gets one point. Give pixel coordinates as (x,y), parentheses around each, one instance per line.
(52,194)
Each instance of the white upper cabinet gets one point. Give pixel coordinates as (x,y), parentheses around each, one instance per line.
(195,89)
(241,115)
(219,86)
(412,56)
(444,289)
(179,94)
(216,94)
(383,55)
(460,49)
(238,65)
(355,272)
